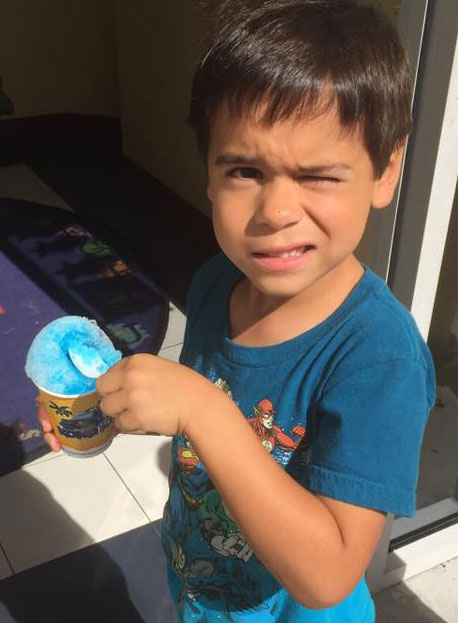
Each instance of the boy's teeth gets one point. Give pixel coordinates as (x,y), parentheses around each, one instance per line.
(294,253)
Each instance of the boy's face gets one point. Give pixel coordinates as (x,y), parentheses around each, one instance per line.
(298,187)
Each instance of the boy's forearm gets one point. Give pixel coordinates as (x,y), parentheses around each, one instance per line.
(290,530)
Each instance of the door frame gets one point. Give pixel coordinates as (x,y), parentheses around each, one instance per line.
(419,232)
(381,225)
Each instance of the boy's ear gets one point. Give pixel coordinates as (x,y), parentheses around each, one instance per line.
(385,185)
(209,193)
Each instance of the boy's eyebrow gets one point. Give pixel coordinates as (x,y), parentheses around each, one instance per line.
(335,167)
(233,158)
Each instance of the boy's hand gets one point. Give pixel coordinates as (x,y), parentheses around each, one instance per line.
(151,394)
(48,433)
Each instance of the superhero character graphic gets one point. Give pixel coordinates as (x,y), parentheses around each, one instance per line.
(219,529)
(116,269)
(199,573)
(271,435)
(224,386)
(74,230)
(95,248)
(188,473)
(187,458)
(205,548)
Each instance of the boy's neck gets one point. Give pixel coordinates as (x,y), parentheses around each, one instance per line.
(257,319)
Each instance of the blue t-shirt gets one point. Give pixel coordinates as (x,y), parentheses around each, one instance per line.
(342,407)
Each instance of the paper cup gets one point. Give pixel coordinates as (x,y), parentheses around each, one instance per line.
(78,423)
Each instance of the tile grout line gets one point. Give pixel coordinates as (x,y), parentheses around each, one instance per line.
(128,488)
(171,346)
(158,532)
(13,572)
(51,456)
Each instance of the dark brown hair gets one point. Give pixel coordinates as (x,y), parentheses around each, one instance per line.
(300,58)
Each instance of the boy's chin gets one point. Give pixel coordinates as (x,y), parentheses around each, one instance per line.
(281,288)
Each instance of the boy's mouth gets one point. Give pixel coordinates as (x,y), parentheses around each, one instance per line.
(285,252)
(283,259)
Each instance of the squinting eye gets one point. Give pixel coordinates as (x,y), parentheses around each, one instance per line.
(315,179)
(245,173)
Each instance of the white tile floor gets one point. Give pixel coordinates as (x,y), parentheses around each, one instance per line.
(59,504)
(430,597)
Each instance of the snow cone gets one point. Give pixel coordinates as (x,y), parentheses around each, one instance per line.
(64,361)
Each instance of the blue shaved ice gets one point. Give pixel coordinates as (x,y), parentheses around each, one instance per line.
(63,343)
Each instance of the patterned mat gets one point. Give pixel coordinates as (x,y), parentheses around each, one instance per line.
(52,264)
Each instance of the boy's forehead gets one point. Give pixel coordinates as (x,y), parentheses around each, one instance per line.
(237,127)
(298,144)
(259,114)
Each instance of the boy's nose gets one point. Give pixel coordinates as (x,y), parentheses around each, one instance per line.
(278,205)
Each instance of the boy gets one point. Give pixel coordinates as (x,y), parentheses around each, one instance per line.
(300,402)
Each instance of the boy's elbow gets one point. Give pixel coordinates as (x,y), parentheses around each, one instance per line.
(320,598)
(316,602)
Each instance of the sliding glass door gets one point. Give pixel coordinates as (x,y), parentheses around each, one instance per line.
(437,494)
(414,246)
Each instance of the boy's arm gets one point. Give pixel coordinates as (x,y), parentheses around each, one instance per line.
(317,548)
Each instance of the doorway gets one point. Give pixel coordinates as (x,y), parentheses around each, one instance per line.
(437,492)
(415,251)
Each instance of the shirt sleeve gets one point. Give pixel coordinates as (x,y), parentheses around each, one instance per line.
(366,433)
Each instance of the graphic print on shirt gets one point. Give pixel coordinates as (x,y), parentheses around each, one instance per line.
(271,435)
(207,551)
(219,529)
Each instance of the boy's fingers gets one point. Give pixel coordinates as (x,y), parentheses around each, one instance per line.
(52,441)
(48,433)
(113,404)
(110,381)
(44,420)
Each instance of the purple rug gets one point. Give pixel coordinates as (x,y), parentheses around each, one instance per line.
(51,265)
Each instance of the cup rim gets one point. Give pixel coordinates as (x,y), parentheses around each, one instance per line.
(47,391)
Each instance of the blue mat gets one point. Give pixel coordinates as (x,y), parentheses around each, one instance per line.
(53,264)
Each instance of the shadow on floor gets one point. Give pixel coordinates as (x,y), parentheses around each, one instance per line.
(398,604)
(121,580)
(164,456)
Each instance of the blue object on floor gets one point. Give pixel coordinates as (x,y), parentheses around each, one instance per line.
(121,580)
(53,264)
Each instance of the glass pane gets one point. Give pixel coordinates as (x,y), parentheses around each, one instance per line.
(437,491)
(439,462)
(376,246)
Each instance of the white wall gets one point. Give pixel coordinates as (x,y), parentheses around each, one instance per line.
(158,47)
(59,56)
